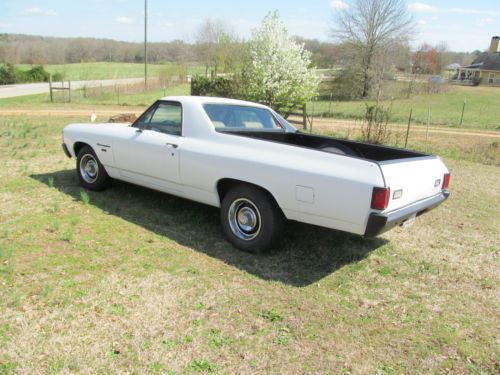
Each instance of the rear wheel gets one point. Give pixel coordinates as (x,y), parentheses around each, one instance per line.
(251,219)
(337,148)
(91,172)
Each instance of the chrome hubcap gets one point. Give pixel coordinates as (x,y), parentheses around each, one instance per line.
(89,169)
(244,219)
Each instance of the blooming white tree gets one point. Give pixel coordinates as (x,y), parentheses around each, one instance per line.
(278,72)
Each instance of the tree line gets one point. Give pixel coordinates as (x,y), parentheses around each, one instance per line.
(39,50)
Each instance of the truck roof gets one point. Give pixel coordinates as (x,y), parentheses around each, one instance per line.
(210,99)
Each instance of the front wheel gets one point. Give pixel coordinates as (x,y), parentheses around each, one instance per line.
(251,219)
(91,172)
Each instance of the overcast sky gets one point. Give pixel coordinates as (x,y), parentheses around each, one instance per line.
(463,25)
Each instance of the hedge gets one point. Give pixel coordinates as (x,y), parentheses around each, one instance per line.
(218,86)
(9,74)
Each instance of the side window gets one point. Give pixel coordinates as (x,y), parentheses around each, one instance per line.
(165,118)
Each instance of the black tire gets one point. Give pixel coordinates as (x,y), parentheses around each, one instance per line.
(240,206)
(338,148)
(90,171)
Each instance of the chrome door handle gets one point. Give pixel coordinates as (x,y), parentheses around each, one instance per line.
(171,145)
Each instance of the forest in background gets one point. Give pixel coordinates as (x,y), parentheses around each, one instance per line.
(40,50)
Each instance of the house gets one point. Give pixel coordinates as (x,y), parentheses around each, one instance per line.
(484,70)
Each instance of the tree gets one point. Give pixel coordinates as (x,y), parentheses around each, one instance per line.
(217,45)
(430,60)
(278,71)
(370,27)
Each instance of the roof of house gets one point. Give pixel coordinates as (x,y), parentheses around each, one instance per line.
(486,61)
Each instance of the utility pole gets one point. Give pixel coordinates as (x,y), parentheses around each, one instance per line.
(145,45)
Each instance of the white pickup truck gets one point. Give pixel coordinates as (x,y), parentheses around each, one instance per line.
(249,161)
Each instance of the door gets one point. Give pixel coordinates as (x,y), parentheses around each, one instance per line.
(148,153)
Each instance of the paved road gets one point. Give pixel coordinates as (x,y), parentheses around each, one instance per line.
(9,91)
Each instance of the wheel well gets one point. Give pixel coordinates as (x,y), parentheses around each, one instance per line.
(226,184)
(78,146)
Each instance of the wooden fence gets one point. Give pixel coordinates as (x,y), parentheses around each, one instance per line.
(62,87)
(301,113)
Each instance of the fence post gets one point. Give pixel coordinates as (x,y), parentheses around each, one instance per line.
(330,105)
(118,95)
(50,87)
(408,129)
(427,130)
(69,91)
(304,116)
(463,110)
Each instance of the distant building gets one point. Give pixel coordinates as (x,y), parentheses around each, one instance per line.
(484,70)
(454,66)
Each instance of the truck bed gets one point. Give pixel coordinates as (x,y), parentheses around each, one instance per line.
(413,175)
(361,150)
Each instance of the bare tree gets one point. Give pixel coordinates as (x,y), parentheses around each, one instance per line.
(370,27)
(215,41)
(442,58)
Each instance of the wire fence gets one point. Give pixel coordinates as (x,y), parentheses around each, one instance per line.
(117,93)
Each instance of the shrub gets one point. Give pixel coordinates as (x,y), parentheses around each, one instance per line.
(375,128)
(7,74)
(56,77)
(218,86)
(347,85)
(36,74)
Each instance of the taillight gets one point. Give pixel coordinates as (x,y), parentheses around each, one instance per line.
(380,198)
(446,181)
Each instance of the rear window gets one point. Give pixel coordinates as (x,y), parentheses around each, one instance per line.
(229,117)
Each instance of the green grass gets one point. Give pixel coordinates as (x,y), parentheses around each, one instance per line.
(481,111)
(112,70)
(133,280)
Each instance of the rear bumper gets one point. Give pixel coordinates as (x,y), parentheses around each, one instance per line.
(66,151)
(379,223)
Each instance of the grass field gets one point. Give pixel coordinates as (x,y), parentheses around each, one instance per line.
(131,280)
(482,108)
(112,70)
(109,97)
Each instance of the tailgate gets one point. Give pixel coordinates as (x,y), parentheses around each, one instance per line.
(417,179)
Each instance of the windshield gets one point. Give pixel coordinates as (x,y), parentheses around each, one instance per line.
(240,117)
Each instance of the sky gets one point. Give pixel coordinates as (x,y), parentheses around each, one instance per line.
(463,24)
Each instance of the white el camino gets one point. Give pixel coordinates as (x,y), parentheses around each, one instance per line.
(261,171)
